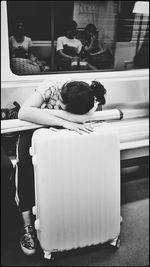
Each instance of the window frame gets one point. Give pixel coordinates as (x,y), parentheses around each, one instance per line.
(7,75)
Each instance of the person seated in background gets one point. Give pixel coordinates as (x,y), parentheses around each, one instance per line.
(20,45)
(141,59)
(69,56)
(21,55)
(68,47)
(94,51)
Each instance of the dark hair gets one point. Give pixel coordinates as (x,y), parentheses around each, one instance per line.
(71,25)
(79,97)
(19,27)
(90,27)
(19,23)
(99,92)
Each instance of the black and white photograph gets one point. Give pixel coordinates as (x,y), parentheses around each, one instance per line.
(75,133)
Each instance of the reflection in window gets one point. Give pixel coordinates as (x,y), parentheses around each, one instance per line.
(104,36)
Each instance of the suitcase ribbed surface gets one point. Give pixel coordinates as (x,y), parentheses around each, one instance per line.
(77,185)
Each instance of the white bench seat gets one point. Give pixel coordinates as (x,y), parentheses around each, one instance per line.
(133,129)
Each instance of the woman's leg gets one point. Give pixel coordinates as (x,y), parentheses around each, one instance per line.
(64,64)
(26,191)
(7,201)
(6,172)
(25,172)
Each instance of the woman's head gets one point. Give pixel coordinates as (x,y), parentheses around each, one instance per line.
(90,29)
(79,97)
(19,29)
(71,28)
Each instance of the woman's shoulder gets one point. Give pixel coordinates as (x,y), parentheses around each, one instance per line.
(26,38)
(77,40)
(61,38)
(49,91)
(49,87)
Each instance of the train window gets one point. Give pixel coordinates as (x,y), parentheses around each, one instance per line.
(64,36)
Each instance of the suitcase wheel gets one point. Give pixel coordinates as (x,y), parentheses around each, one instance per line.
(48,255)
(115,242)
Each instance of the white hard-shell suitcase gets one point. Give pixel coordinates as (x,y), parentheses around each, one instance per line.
(77,188)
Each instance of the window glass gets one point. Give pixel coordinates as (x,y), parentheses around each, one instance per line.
(58,36)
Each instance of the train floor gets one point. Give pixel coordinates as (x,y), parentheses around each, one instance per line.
(134,247)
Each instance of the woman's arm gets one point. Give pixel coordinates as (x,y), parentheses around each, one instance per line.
(10,46)
(98,53)
(30,49)
(30,54)
(32,57)
(61,53)
(31,111)
(69,116)
(89,48)
(74,117)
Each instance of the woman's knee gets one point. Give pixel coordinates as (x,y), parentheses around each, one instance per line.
(6,165)
(24,144)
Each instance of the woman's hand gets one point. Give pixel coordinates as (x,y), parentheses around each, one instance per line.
(79,128)
(93,39)
(33,58)
(75,58)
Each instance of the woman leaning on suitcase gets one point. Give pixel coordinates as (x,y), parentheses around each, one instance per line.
(66,105)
